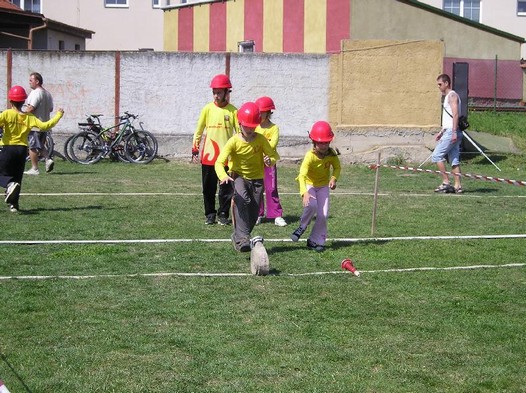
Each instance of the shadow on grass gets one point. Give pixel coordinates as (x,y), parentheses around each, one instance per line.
(61,209)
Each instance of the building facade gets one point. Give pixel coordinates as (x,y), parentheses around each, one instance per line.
(118,24)
(506,15)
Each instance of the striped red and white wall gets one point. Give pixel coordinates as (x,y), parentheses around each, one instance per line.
(276,26)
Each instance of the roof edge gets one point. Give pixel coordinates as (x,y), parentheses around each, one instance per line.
(465,21)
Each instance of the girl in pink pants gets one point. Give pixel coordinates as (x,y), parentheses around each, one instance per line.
(315,180)
(270,131)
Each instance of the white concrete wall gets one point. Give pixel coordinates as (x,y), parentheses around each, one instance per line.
(169,89)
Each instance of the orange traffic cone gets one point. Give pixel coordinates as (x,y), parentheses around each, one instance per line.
(3,388)
(348,265)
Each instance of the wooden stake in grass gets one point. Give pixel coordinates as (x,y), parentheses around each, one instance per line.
(375,200)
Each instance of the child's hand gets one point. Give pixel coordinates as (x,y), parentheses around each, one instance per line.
(332,184)
(226,180)
(60,110)
(266,160)
(306,199)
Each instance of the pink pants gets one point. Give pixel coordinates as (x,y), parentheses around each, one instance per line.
(274,208)
(320,208)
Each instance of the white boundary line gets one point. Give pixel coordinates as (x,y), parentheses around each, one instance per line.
(345,240)
(66,194)
(176,274)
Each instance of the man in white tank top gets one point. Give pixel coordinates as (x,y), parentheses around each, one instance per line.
(449,138)
(40,103)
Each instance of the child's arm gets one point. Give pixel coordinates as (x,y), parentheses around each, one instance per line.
(46,125)
(336,169)
(219,164)
(271,155)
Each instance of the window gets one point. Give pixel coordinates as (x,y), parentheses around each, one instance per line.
(28,5)
(469,9)
(61,45)
(156,3)
(521,7)
(116,3)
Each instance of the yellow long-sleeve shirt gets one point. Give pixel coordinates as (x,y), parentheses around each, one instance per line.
(220,124)
(271,133)
(317,171)
(246,158)
(17,125)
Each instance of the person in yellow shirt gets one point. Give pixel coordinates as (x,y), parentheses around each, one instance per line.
(16,125)
(218,118)
(249,153)
(271,132)
(315,179)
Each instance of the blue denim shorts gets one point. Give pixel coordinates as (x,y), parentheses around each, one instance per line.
(446,148)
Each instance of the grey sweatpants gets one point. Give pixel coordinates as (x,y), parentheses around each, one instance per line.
(247,197)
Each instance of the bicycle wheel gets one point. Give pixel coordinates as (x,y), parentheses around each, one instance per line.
(140,147)
(85,148)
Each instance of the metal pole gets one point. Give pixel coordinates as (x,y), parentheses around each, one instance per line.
(479,149)
(375,203)
(495,86)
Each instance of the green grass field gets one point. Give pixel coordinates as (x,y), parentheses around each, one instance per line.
(151,313)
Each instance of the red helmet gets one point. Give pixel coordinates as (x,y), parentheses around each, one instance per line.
(17,94)
(249,115)
(221,81)
(265,104)
(321,132)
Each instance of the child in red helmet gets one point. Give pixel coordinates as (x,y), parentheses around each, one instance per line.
(16,125)
(270,131)
(218,118)
(315,180)
(249,153)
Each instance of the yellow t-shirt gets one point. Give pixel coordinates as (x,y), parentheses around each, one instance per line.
(271,133)
(246,158)
(220,124)
(317,171)
(17,125)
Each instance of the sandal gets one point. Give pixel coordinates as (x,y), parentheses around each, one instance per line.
(458,190)
(445,188)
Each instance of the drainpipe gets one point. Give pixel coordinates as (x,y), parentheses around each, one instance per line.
(30,41)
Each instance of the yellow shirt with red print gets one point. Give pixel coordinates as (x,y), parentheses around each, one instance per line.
(220,124)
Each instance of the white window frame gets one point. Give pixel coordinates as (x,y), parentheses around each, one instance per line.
(461,9)
(156,3)
(521,13)
(22,4)
(116,5)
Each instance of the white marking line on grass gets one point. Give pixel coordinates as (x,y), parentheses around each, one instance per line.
(345,240)
(418,269)
(281,193)
(175,274)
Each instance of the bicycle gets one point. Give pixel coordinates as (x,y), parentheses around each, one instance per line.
(122,140)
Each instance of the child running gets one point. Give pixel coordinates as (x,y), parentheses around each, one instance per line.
(270,131)
(16,125)
(248,153)
(315,180)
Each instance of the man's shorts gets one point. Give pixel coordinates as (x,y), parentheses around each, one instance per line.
(36,140)
(446,148)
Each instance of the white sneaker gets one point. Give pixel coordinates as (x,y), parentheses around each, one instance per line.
(13,209)
(32,171)
(50,164)
(11,192)
(280,222)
